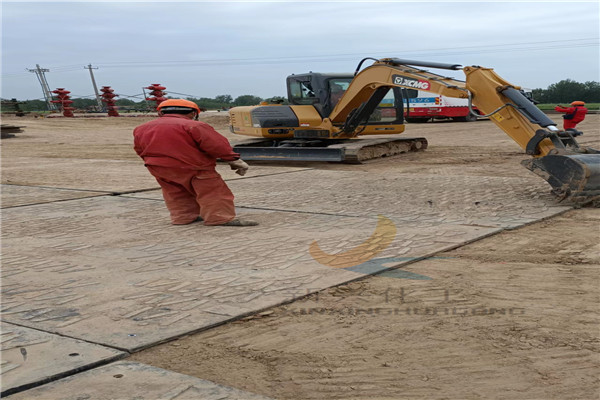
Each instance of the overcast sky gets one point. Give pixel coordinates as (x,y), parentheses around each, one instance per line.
(205,49)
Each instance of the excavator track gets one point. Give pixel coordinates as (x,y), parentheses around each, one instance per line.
(358,151)
(350,151)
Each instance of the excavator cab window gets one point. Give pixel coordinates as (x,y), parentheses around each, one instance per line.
(302,93)
(337,88)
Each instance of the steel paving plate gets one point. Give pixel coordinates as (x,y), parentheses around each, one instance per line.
(428,199)
(101,175)
(16,195)
(130,381)
(112,270)
(31,357)
(78,174)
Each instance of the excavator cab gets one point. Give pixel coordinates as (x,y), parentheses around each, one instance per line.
(324,91)
(304,130)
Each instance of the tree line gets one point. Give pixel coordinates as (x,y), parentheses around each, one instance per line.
(564,91)
(86,104)
(567,91)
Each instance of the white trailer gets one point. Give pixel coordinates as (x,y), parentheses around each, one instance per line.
(423,106)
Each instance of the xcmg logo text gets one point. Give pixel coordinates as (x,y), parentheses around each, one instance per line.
(410,82)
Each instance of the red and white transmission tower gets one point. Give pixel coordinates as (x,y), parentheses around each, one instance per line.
(156,90)
(65,101)
(108,97)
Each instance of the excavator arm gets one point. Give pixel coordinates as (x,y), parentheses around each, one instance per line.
(362,94)
(572,171)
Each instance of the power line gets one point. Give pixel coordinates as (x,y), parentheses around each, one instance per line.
(329,56)
(460,50)
(131,96)
(182,94)
(82,96)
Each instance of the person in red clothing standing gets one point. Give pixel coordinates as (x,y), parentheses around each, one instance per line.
(181,153)
(573,115)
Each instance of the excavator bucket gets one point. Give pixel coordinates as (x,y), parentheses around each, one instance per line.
(575,176)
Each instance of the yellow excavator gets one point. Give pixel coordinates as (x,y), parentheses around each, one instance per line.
(327,113)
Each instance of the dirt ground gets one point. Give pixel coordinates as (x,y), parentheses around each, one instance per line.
(512,316)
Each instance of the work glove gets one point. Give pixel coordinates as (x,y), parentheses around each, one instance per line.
(239,166)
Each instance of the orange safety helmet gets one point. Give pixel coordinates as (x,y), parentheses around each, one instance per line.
(178,104)
(578,103)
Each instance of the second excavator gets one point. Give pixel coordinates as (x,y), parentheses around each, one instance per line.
(329,113)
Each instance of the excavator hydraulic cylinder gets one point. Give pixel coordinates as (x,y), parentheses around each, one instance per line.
(528,108)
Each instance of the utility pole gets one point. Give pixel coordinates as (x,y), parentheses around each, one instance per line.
(98,99)
(39,72)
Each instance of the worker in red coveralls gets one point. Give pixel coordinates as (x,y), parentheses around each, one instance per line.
(573,115)
(181,153)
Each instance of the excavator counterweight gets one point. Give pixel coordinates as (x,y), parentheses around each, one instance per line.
(327,113)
